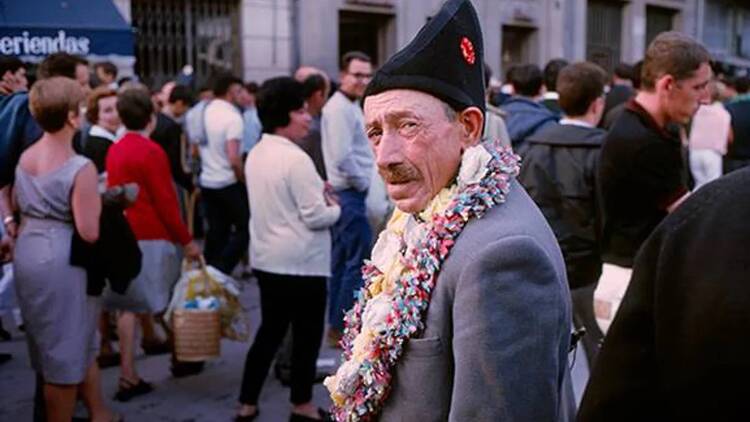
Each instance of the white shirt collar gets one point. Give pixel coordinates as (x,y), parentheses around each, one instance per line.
(575,122)
(551,95)
(99,131)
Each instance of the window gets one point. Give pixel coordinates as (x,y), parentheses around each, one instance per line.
(726,28)
(173,33)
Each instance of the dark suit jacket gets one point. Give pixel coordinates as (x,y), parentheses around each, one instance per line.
(497,330)
(678,348)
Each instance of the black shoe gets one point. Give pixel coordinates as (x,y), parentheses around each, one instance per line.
(128,390)
(5,357)
(324,416)
(156,348)
(4,335)
(108,360)
(186,369)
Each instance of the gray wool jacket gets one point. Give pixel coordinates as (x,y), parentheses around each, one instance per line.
(497,329)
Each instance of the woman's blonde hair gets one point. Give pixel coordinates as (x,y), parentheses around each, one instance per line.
(51,101)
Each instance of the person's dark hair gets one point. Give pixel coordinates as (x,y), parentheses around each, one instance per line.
(312,84)
(276,98)
(672,53)
(551,71)
(742,84)
(487,75)
(579,85)
(252,87)
(181,93)
(124,80)
(135,107)
(60,64)
(52,99)
(623,71)
(353,55)
(92,103)
(10,64)
(223,82)
(107,67)
(636,74)
(526,80)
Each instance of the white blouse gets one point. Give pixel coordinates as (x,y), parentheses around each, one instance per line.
(289,218)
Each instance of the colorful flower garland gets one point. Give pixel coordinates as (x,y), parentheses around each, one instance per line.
(400,278)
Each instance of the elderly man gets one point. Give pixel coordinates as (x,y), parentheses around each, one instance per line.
(465,314)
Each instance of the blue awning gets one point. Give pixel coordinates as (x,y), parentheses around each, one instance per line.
(37,28)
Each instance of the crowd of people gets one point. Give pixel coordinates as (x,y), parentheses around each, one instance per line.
(561,182)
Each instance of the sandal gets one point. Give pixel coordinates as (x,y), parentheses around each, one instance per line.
(127,390)
(323,416)
(247,418)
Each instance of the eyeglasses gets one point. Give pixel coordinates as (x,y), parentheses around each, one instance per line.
(361,76)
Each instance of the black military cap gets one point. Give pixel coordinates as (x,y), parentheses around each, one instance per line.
(445,60)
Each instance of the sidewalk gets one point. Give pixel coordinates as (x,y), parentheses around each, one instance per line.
(209,396)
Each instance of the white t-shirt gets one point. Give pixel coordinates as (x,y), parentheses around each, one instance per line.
(223,122)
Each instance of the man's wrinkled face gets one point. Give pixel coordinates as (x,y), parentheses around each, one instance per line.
(685,96)
(417,146)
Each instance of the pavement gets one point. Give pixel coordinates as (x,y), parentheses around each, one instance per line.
(209,396)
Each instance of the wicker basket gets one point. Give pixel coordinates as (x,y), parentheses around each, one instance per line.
(197,335)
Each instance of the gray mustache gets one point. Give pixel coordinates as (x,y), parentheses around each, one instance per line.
(398,173)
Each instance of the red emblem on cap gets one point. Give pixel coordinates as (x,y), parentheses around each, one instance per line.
(467,50)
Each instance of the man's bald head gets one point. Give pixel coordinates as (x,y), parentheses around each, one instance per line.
(305,71)
(316,85)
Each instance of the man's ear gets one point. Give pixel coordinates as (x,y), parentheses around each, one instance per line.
(665,83)
(472,122)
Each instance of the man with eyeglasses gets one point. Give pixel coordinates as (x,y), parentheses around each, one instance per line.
(349,164)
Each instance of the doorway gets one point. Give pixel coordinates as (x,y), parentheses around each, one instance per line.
(370,33)
(658,20)
(604,33)
(517,47)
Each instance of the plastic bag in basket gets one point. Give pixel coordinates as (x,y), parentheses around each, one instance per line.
(206,282)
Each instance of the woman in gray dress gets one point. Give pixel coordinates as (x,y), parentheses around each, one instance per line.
(56,193)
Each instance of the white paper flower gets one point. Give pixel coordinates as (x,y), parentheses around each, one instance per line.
(346,377)
(386,250)
(376,312)
(473,165)
(413,232)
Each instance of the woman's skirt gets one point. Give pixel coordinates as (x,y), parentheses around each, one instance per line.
(150,291)
(60,318)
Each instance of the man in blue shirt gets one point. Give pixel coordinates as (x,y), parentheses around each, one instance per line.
(349,165)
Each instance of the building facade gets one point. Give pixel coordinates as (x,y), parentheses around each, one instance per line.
(258,39)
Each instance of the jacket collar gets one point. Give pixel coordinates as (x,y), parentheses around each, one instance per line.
(569,136)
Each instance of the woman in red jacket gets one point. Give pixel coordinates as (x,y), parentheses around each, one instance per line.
(156,222)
